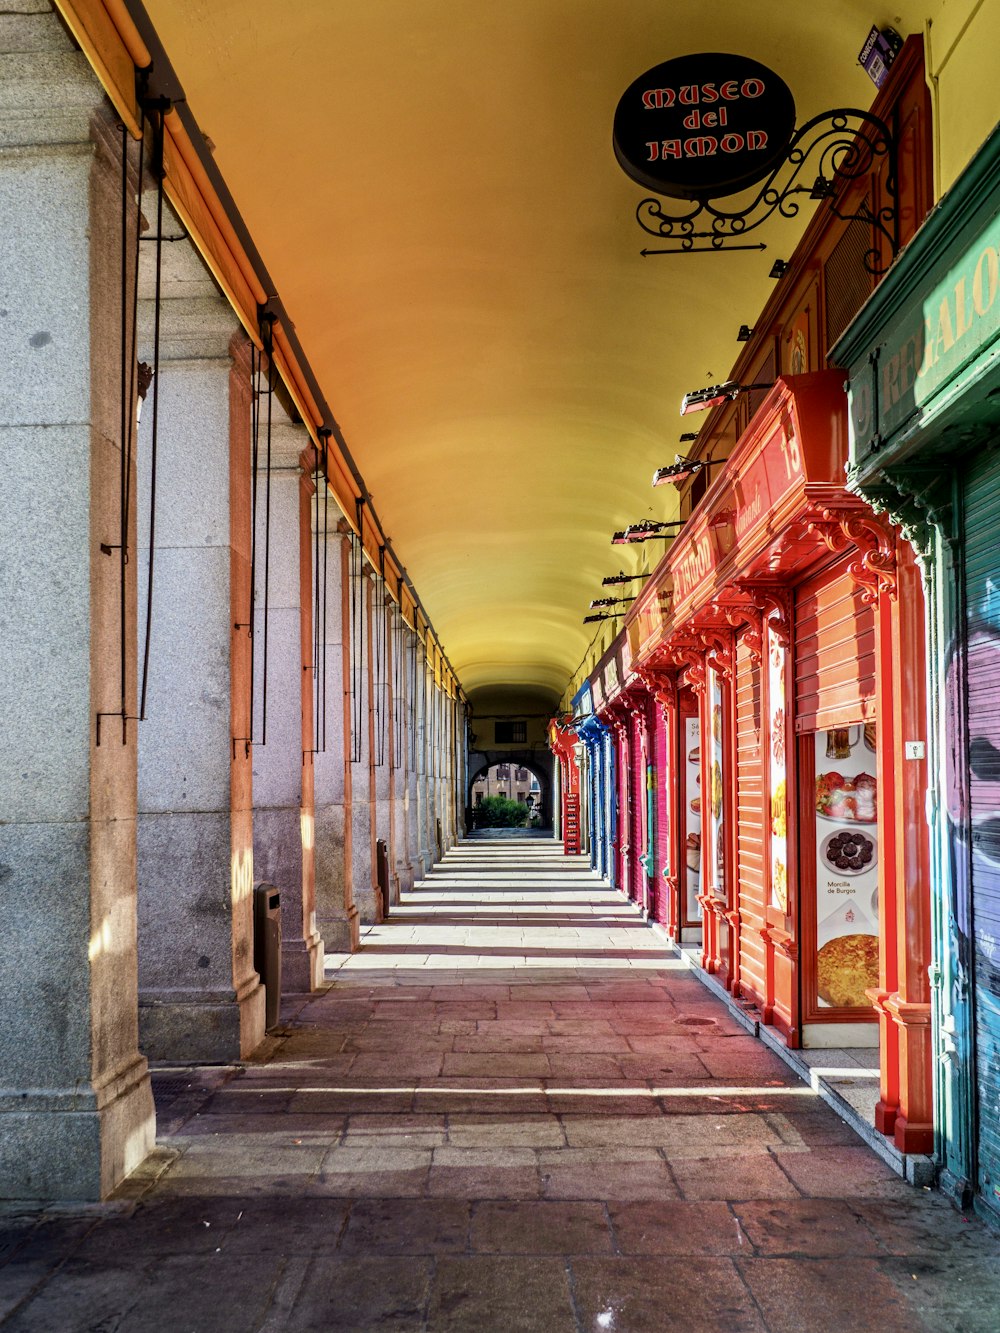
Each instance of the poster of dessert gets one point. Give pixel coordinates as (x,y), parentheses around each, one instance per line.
(847,851)
(692,819)
(716,818)
(776,656)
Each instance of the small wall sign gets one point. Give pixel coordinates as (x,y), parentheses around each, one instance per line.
(703,126)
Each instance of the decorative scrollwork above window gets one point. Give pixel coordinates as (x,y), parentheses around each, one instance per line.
(875,568)
(830,152)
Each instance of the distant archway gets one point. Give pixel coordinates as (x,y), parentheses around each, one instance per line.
(536,762)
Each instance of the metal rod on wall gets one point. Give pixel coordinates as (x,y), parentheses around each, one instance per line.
(154,429)
(267,333)
(357,636)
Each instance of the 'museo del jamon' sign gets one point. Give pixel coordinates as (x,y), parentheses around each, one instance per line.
(703,126)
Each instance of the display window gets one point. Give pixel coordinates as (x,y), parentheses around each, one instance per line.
(714,807)
(840,857)
(692,820)
(777,659)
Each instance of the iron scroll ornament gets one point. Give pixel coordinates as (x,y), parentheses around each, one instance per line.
(845,145)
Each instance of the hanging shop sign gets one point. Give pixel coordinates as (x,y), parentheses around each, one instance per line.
(703,126)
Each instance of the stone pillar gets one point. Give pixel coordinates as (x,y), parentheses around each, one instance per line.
(199,996)
(362,754)
(406,777)
(425,858)
(76,1112)
(336,913)
(283,769)
(384,779)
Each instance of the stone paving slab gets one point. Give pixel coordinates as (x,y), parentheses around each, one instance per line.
(560,1140)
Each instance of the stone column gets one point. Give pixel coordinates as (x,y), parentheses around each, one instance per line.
(406,777)
(384,779)
(336,913)
(422,711)
(362,755)
(283,769)
(199,996)
(76,1112)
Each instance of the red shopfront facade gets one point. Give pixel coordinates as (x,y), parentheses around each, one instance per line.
(632,777)
(782,636)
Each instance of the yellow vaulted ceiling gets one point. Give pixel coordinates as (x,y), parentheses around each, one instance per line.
(432,186)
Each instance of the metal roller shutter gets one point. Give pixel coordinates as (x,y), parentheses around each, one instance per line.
(834,652)
(750,824)
(982,572)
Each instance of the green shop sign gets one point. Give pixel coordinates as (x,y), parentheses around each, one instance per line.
(938,333)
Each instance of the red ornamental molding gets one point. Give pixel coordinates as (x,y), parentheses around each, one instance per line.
(875,568)
(719,648)
(742,613)
(775,608)
(690,657)
(662,687)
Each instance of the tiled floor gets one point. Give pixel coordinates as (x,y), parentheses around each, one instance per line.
(513,1109)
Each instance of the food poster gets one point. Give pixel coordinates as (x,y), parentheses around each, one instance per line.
(776,661)
(716,816)
(692,819)
(846,866)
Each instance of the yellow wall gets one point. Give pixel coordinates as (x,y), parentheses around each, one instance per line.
(961,45)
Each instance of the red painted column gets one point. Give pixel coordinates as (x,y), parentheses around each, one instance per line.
(905,1108)
(563,741)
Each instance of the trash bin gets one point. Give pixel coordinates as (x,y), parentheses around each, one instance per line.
(267,947)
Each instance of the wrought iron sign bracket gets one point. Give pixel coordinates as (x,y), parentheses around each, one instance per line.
(835,149)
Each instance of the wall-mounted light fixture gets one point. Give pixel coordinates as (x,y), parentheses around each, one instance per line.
(610,601)
(590,620)
(622,577)
(778,269)
(641,532)
(745,333)
(689,437)
(682,468)
(700,400)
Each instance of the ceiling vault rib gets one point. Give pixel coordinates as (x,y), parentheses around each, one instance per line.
(120,42)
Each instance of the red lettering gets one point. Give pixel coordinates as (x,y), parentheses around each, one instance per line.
(723,116)
(732,143)
(654,151)
(709,120)
(670,148)
(890,381)
(705,146)
(654,99)
(688,95)
(756,140)
(909,364)
(709,92)
(692,121)
(752,87)
(730,90)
